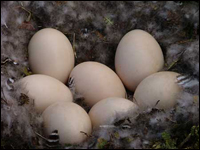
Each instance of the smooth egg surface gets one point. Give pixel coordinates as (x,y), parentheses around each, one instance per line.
(110,110)
(70,120)
(51,53)
(44,90)
(95,81)
(138,55)
(158,90)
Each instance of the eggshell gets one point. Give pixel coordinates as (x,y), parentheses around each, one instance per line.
(138,55)
(95,81)
(69,119)
(44,90)
(51,53)
(110,110)
(160,87)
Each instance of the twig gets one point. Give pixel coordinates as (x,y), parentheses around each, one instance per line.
(108,21)
(157,103)
(186,140)
(128,119)
(168,119)
(85,134)
(12,146)
(176,61)
(41,136)
(29,16)
(184,41)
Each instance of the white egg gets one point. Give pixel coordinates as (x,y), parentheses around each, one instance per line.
(95,81)
(51,53)
(158,90)
(44,90)
(71,121)
(110,110)
(138,55)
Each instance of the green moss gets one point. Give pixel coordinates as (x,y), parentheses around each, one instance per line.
(169,143)
(108,21)
(3,143)
(27,72)
(172,140)
(194,135)
(102,143)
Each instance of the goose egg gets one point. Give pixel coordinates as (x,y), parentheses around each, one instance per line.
(51,53)
(95,81)
(138,55)
(158,90)
(44,90)
(69,119)
(110,110)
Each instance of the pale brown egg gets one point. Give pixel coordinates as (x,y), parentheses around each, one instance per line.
(159,90)
(95,81)
(138,55)
(51,53)
(70,120)
(44,90)
(110,110)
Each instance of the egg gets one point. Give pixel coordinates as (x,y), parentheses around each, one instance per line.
(138,55)
(71,121)
(110,110)
(50,53)
(158,90)
(44,90)
(95,81)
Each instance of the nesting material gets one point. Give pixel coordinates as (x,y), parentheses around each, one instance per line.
(51,53)
(44,90)
(71,121)
(158,90)
(95,81)
(138,55)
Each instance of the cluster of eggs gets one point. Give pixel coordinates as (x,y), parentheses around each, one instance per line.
(137,62)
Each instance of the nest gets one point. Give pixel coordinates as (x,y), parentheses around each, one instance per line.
(95,29)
